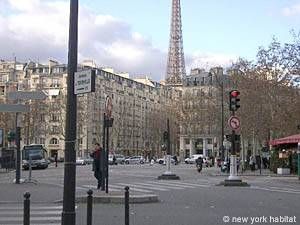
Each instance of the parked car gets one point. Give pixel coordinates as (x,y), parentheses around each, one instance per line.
(112,159)
(135,160)
(80,161)
(192,160)
(163,160)
(120,158)
(88,160)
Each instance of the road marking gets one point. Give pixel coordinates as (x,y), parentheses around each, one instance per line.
(190,184)
(32,212)
(138,185)
(95,187)
(17,219)
(179,187)
(31,207)
(131,188)
(290,191)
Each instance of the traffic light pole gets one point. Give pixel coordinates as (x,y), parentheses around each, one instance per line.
(168,175)
(233,179)
(233,165)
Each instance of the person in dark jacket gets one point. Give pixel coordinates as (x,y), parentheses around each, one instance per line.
(199,163)
(96,155)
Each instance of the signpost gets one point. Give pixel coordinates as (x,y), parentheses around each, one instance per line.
(17,108)
(234,122)
(84,81)
(26,95)
(14,108)
(107,123)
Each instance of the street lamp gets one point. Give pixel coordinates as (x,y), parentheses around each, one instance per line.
(298,152)
(220,82)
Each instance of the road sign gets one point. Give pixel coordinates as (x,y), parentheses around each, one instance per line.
(84,82)
(26,95)
(234,122)
(14,108)
(108,107)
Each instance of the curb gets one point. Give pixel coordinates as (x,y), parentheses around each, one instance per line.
(117,199)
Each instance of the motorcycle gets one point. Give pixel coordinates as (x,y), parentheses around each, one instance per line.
(199,167)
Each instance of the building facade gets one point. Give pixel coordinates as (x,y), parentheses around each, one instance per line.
(140,110)
(201,121)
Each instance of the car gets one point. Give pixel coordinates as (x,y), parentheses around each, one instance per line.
(112,159)
(135,160)
(80,161)
(192,160)
(120,158)
(163,160)
(88,160)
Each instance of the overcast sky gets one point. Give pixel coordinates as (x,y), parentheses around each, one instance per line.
(133,35)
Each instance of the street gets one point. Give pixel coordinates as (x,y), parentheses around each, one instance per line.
(194,199)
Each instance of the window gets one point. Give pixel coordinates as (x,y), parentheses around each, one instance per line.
(54,118)
(42,118)
(209,141)
(42,141)
(54,141)
(55,129)
(187,141)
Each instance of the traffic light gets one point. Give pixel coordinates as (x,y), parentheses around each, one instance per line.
(165,137)
(234,100)
(11,136)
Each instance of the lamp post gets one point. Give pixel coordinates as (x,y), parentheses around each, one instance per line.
(68,214)
(298,152)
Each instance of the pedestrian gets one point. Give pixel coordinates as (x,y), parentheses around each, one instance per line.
(55,159)
(96,155)
(252,163)
(199,162)
(237,165)
(175,159)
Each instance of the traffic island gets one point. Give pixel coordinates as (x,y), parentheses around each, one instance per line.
(119,198)
(233,183)
(168,177)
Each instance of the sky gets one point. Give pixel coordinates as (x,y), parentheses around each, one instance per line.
(133,35)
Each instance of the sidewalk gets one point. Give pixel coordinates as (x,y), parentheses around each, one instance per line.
(216,171)
(53,193)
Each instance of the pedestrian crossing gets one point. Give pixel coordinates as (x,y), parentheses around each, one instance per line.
(276,189)
(39,214)
(149,187)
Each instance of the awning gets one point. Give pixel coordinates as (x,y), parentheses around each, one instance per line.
(294,139)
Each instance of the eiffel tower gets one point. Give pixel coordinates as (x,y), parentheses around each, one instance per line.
(175,64)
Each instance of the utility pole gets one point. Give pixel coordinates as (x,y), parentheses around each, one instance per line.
(68,214)
(298,151)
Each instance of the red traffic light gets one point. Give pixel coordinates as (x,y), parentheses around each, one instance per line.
(234,93)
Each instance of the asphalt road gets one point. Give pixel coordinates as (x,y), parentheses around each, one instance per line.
(193,200)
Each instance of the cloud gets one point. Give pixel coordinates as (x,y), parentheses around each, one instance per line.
(291,10)
(208,60)
(38,30)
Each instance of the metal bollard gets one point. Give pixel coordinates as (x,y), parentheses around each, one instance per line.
(89,213)
(26,215)
(126,205)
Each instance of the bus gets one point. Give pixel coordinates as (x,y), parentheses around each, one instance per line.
(38,155)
